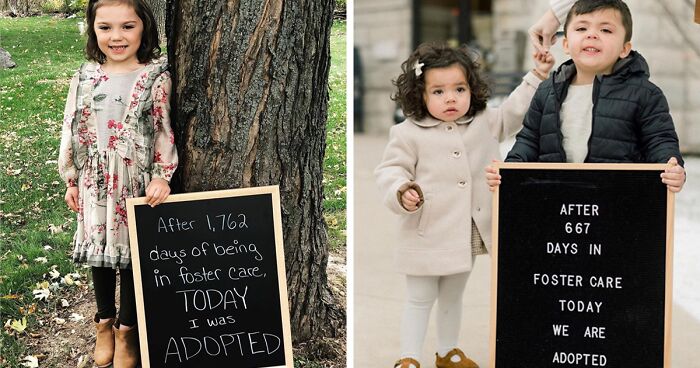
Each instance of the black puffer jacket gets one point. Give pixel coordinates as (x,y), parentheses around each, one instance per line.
(631,122)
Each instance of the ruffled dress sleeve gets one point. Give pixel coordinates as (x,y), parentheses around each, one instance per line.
(165,158)
(66,167)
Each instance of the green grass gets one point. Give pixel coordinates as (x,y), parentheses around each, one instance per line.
(334,176)
(32,95)
(33,215)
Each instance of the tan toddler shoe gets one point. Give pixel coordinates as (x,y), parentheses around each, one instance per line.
(449,362)
(406,363)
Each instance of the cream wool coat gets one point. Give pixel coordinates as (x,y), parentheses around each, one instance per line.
(446,160)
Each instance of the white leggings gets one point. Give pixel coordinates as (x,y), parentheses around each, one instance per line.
(422,292)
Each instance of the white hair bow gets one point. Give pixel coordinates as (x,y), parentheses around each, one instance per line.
(418,67)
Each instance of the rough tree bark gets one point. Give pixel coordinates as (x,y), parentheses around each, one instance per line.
(14,7)
(250,104)
(158,8)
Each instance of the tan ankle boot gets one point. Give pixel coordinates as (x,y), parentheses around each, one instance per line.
(104,346)
(126,350)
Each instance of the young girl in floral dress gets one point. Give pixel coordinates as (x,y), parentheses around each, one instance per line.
(116,143)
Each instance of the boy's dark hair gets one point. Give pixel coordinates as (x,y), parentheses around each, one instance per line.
(149,48)
(410,87)
(589,6)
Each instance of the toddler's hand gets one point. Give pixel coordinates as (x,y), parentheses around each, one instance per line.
(492,177)
(543,63)
(71,198)
(410,199)
(157,191)
(673,176)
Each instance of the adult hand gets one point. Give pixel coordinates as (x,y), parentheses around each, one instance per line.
(543,32)
(157,191)
(673,176)
(71,198)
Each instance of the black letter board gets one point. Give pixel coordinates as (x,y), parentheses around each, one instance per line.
(582,266)
(210,282)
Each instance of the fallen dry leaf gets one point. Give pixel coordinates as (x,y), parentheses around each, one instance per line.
(54,274)
(53,229)
(68,280)
(82,361)
(31,361)
(30,310)
(41,294)
(19,325)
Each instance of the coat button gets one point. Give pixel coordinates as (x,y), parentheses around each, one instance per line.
(462,183)
(456,154)
(449,128)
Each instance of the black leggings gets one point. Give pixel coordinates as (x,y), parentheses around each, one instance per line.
(105,281)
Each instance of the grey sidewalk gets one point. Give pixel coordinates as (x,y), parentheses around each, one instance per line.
(380,291)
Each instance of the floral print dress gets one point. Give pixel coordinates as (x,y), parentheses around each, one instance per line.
(118,162)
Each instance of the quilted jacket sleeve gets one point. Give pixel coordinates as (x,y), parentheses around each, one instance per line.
(658,138)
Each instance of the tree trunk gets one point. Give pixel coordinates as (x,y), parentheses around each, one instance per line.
(158,8)
(14,8)
(250,103)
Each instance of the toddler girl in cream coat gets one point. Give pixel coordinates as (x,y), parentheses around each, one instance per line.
(432,175)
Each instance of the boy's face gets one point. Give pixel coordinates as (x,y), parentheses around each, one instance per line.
(447,94)
(596,41)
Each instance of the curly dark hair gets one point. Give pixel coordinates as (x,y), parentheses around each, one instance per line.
(410,88)
(149,48)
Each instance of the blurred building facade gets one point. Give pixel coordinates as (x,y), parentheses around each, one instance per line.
(386,31)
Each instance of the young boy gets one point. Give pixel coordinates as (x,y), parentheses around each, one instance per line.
(599,106)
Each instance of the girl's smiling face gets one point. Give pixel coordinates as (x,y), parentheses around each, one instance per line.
(447,94)
(118,29)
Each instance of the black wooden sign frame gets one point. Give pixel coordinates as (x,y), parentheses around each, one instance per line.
(560,318)
(273,225)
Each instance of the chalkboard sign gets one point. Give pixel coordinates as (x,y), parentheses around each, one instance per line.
(210,281)
(582,266)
